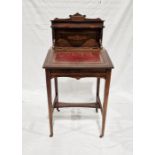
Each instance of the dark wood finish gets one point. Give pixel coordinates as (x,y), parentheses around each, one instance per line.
(99,103)
(50,107)
(86,105)
(56,91)
(105,102)
(97,92)
(77,31)
(77,52)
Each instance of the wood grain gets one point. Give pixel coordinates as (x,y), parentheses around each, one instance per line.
(77,34)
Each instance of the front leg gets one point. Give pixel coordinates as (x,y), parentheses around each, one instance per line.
(105,104)
(49,96)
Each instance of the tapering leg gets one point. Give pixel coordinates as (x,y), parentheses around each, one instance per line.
(106,94)
(97,91)
(56,89)
(50,108)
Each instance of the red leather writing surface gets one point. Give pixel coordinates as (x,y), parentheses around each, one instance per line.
(77,56)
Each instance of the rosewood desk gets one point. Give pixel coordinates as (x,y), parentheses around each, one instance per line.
(77,52)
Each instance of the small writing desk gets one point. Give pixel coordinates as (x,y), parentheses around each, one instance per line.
(77,53)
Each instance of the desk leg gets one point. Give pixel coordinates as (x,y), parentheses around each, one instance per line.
(97,92)
(49,96)
(105,103)
(56,89)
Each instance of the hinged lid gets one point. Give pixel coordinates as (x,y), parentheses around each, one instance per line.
(77,31)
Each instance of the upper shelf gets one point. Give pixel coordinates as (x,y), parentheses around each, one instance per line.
(77,31)
(77,21)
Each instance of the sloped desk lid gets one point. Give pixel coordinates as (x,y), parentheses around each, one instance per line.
(77,58)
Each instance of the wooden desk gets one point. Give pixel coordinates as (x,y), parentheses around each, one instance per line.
(77,61)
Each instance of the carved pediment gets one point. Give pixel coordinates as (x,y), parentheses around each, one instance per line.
(77,16)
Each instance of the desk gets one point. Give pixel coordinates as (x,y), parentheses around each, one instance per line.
(77,62)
